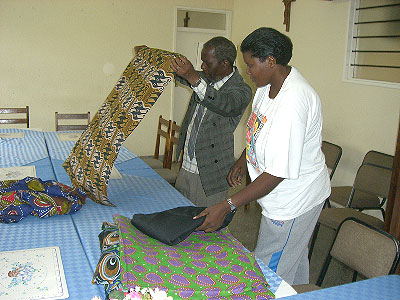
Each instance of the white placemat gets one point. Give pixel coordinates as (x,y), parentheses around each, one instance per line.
(17,173)
(32,274)
(69,136)
(12,135)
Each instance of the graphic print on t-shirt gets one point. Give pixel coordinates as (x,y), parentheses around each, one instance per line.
(253,128)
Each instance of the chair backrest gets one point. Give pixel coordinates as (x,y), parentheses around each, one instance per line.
(332,153)
(163,130)
(378,158)
(80,117)
(367,250)
(372,179)
(16,117)
(174,137)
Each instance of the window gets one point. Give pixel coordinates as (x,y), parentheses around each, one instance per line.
(373,54)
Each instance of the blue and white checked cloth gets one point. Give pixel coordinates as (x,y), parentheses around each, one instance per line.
(29,150)
(382,288)
(33,232)
(61,149)
(140,190)
(22,151)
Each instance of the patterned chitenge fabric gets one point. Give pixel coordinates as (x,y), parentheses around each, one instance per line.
(33,196)
(91,159)
(108,268)
(204,266)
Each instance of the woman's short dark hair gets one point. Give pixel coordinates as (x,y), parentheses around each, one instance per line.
(224,49)
(264,42)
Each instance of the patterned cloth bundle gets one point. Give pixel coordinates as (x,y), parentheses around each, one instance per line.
(32,196)
(204,266)
(141,84)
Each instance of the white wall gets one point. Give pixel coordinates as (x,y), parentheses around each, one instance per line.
(357,117)
(66,55)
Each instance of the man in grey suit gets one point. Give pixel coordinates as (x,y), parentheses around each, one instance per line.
(219,99)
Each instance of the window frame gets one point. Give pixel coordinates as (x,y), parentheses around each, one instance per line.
(348,69)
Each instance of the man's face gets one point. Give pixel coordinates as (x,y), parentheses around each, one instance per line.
(213,69)
(259,72)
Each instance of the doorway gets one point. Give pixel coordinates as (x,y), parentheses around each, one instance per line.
(194,27)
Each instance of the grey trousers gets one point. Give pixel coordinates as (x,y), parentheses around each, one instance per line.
(189,184)
(283,245)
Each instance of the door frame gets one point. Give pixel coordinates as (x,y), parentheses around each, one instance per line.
(226,33)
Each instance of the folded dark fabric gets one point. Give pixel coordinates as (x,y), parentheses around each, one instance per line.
(174,225)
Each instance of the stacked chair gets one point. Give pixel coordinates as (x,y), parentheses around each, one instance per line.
(16,115)
(369,191)
(361,200)
(332,153)
(367,250)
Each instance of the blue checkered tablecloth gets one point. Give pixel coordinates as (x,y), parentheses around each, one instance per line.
(60,150)
(22,151)
(382,288)
(33,232)
(140,190)
(30,150)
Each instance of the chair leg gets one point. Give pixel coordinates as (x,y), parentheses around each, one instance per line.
(354,279)
(324,270)
(327,204)
(314,237)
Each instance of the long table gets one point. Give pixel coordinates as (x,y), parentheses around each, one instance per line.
(382,288)
(139,190)
(32,232)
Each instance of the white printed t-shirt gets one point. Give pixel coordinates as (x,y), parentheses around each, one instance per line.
(283,138)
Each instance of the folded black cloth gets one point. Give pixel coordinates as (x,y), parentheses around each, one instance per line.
(174,225)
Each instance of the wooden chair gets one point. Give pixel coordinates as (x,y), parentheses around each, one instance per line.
(17,118)
(174,138)
(76,117)
(171,169)
(365,249)
(163,130)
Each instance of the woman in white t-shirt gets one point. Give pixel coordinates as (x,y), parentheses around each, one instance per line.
(283,157)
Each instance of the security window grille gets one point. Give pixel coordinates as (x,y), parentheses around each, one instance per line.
(375,41)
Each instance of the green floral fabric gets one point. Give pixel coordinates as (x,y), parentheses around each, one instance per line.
(204,266)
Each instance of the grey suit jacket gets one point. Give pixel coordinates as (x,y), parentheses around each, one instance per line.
(215,142)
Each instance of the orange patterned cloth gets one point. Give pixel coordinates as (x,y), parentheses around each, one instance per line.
(91,159)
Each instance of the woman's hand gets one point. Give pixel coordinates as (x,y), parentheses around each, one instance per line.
(215,216)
